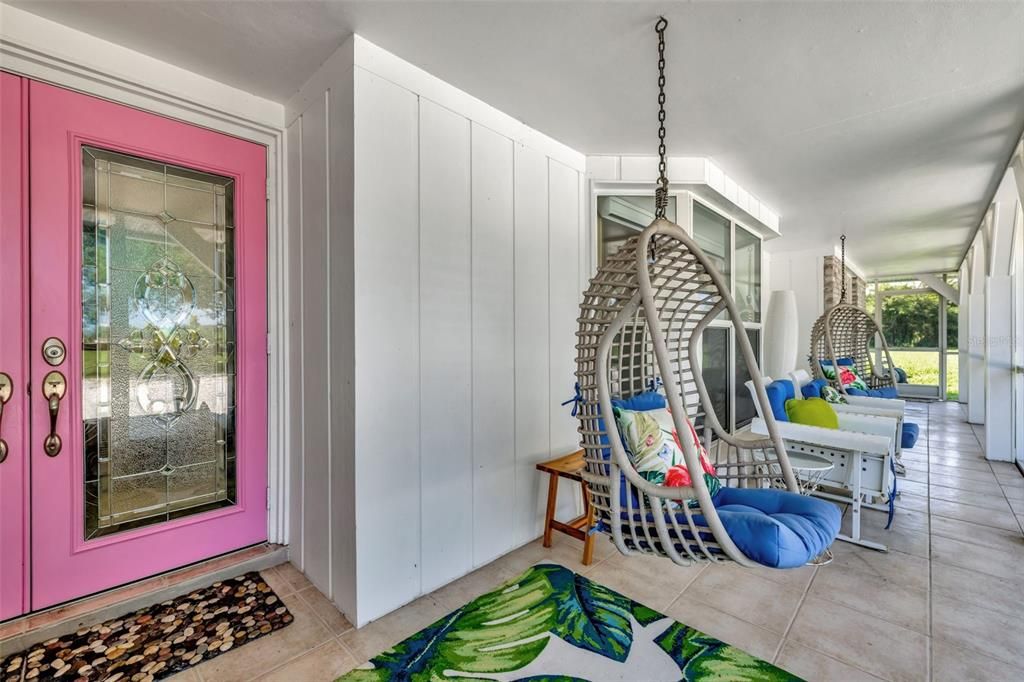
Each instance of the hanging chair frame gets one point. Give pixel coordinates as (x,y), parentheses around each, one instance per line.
(640,322)
(845,331)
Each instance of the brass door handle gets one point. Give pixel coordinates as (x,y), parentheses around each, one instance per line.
(54,389)
(6,389)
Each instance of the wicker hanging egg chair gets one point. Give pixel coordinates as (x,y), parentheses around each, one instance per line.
(842,337)
(640,326)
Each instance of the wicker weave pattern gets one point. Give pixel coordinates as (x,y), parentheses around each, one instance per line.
(845,331)
(640,323)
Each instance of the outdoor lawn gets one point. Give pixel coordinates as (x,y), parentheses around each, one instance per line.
(922,367)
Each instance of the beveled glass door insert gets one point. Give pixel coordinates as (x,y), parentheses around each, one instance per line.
(158,341)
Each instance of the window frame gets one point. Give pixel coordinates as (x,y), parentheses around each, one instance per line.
(684,212)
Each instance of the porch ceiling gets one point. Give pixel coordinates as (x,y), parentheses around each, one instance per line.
(887,121)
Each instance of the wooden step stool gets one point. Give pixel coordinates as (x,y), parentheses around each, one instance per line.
(569,466)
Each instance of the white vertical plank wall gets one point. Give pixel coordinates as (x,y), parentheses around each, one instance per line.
(440,259)
(446,375)
(387,324)
(493,405)
(340,354)
(532,342)
(315,406)
(564,283)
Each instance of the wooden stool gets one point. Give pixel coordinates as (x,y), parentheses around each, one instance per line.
(569,466)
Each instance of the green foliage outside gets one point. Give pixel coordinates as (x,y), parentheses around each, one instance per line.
(912,321)
(923,368)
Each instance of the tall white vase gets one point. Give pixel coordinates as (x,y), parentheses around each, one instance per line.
(781,334)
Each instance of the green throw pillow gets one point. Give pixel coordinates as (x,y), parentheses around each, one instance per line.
(812,412)
(831,395)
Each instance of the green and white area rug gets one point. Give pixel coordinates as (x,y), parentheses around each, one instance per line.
(551,624)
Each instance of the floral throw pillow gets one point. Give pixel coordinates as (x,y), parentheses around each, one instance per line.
(654,449)
(831,395)
(848,377)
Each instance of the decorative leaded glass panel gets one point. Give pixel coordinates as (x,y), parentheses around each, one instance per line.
(158,341)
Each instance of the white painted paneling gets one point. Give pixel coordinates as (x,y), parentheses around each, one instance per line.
(428,86)
(532,386)
(437,254)
(976,335)
(387,344)
(446,414)
(493,345)
(999,360)
(341,353)
(296,253)
(563,278)
(963,335)
(564,284)
(315,343)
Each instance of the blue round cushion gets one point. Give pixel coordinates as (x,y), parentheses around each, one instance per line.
(775,528)
(778,528)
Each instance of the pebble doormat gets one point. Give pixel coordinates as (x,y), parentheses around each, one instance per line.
(159,640)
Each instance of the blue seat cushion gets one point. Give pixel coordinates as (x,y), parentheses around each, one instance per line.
(883,392)
(911,431)
(779,391)
(812,389)
(775,528)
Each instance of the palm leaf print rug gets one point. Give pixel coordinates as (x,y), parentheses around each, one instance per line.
(552,624)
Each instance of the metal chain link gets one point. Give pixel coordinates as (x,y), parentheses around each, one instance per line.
(661,193)
(842,272)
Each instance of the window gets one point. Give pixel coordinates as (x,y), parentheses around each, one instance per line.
(747,286)
(712,233)
(735,252)
(715,370)
(622,217)
(745,408)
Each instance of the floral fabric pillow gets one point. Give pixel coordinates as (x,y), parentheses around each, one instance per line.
(653,447)
(847,376)
(831,395)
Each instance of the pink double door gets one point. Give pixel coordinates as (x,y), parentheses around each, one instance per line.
(132,344)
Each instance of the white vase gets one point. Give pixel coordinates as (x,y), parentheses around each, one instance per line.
(781,334)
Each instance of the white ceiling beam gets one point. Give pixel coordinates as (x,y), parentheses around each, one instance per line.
(940,286)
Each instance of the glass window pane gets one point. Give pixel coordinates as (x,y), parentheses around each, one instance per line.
(748,275)
(711,232)
(158,341)
(622,217)
(715,372)
(745,408)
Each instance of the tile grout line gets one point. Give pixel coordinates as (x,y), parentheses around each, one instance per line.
(796,612)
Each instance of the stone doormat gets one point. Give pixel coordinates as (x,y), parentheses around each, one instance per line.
(160,640)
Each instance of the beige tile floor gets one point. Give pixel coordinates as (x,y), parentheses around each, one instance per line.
(946,603)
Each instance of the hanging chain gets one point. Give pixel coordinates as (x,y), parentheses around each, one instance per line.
(842,273)
(661,193)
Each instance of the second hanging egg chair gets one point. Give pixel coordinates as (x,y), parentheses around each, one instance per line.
(842,339)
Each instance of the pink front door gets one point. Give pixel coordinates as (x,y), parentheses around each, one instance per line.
(146,344)
(14,371)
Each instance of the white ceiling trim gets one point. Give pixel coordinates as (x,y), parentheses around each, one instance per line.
(45,50)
